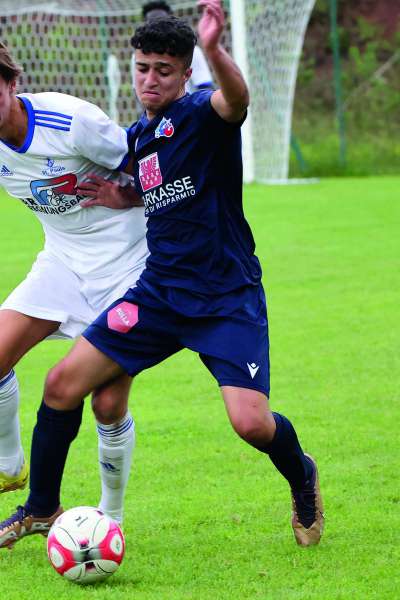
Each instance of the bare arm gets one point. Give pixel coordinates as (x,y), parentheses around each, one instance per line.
(231,100)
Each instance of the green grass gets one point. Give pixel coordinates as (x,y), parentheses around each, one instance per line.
(207,518)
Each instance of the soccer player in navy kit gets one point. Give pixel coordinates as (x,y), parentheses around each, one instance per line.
(201,287)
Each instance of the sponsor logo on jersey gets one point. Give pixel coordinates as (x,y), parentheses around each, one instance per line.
(5,171)
(164,129)
(168,194)
(54,196)
(149,172)
(52,168)
(123,317)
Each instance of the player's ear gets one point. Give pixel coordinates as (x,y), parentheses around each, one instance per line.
(188,74)
(12,86)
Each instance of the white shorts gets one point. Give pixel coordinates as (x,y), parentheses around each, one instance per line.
(53,292)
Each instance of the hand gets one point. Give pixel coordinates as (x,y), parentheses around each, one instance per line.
(103,192)
(211,24)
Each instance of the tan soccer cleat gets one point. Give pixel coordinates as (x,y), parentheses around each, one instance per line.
(308,512)
(21,524)
(9,483)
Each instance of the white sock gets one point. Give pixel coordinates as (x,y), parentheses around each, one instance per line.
(11,452)
(116,444)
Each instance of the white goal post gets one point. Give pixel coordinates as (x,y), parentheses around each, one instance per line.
(82,47)
(267,40)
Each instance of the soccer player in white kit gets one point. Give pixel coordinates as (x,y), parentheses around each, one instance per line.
(49,143)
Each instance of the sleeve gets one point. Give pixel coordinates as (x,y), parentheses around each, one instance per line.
(201,74)
(206,115)
(98,138)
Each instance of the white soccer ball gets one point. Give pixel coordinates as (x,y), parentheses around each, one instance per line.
(85,545)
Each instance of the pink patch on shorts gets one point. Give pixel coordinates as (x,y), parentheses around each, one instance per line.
(123,317)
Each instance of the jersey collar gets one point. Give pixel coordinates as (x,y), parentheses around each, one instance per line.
(31,128)
(145,121)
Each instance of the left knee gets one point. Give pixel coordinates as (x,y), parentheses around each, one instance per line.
(108,408)
(254,428)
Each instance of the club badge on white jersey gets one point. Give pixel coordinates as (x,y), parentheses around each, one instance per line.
(66,140)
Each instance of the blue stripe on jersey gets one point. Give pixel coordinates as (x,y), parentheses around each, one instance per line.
(52,126)
(31,128)
(52,120)
(53,114)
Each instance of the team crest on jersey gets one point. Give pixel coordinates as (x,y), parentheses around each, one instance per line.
(54,196)
(5,172)
(149,172)
(164,129)
(52,168)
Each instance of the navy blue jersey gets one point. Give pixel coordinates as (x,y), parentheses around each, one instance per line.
(188,170)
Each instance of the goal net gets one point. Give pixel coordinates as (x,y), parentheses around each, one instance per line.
(82,47)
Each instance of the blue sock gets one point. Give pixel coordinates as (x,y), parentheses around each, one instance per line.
(53,434)
(286,454)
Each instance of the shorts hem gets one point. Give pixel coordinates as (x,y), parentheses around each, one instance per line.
(35,312)
(107,352)
(244,384)
(66,329)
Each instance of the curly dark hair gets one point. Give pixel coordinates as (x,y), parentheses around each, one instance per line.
(150,6)
(167,35)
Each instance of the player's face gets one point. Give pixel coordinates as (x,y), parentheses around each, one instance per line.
(7,91)
(159,79)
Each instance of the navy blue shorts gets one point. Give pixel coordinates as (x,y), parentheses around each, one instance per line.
(138,334)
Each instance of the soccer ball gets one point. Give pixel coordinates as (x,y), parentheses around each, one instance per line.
(85,545)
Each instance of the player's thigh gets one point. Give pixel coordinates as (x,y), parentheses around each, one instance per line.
(18,334)
(248,411)
(110,401)
(135,335)
(235,348)
(83,370)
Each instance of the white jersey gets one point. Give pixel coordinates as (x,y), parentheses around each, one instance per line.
(67,139)
(201,74)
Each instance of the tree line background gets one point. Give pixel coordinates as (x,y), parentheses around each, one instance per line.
(369,36)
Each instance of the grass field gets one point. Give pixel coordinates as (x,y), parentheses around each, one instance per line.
(207,518)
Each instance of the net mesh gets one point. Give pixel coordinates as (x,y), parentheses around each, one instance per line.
(275,33)
(83,48)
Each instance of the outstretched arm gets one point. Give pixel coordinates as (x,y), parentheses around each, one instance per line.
(231,100)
